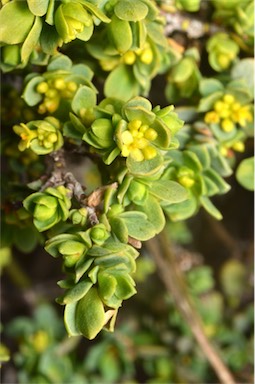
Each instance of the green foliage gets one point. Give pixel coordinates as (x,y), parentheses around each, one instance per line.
(44,26)
(184,77)
(222,51)
(245,173)
(109,168)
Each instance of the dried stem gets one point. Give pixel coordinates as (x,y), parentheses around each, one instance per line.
(172,278)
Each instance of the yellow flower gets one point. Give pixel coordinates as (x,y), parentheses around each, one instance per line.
(228,112)
(136,141)
(212,117)
(242,115)
(25,134)
(40,340)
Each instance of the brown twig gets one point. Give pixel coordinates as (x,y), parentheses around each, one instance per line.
(172,278)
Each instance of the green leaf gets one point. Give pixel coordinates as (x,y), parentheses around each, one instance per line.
(107,285)
(16,21)
(90,315)
(120,83)
(131,10)
(86,34)
(154,213)
(120,34)
(210,207)
(183,210)
(218,180)
(245,173)
(81,267)
(25,239)
(244,69)
(192,161)
(95,10)
(155,32)
(70,319)
(209,86)
(38,7)
(145,167)
(183,70)
(169,191)
(49,39)
(49,18)
(207,102)
(31,40)
(75,293)
(202,154)
(119,228)
(125,287)
(138,225)
(60,62)
(84,98)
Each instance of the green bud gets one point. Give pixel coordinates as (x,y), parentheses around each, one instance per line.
(79,216)
(70,20)
(222,51)
(48,207)
(115,210)
(99,234)
(71,252)
(137,192)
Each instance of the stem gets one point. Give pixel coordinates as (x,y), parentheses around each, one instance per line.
(17,275)
(172,278)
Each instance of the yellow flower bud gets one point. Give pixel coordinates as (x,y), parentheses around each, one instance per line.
(239,146)
(212,117)
(129,57)
(125,151)
(52,137)
(149,152)
(127,137)
(47,144)
(42,109)
(137,154)
(40,340)
(223,60)
(235,106)
(219,105)
(72,86)
(224,113)
(229,99)
(186,181)
(42,87)
(51,93)
(150,134)
(60,84)
(141,143)
(146,56)
(227,125)
(224,151)
(134,124)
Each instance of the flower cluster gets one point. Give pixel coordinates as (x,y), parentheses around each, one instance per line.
(133,130)
(227,112)
(42,136)
(54,89)
(134,49)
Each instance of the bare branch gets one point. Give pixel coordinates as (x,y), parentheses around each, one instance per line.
(172,278)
